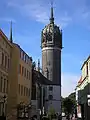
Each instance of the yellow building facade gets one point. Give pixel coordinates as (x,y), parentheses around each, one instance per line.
(19,79)
(5,57)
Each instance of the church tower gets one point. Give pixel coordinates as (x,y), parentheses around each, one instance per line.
(51,44)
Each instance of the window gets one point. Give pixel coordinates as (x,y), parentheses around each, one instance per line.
(49,37)
(22,70)
(5,109)
(87,68)
(19,88)
(48,63)
(89,65)
(7,87)
(8,63)
(0,109)
(25,72)
(1,84)
(19,68)
(24,91)
(4,87)
(5,61)
(50,88)
(2,58)
(50,97)
(22,55)
(29,75)
(25,57)
(33,94)
(29,91)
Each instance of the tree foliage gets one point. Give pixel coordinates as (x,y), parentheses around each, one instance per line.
(62,99)
(51,111)
(33,65)
(72,100)
(68,105)
(72,96)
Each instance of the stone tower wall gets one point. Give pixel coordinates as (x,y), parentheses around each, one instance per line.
(51,60)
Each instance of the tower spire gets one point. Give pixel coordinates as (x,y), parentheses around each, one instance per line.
(11,40)
(52,16)
(38,65)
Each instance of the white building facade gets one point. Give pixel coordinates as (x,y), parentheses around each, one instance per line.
(53,98)
(83,91)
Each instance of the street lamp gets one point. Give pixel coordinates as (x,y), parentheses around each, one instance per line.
(23,111)
(29,110)
(88,97)
(3,108)
(4,99)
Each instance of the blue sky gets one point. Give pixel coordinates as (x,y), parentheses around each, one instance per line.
(30,16)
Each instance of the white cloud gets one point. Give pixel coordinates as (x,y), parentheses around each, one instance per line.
(64,20)
(40,11)
(8,19)
(69,82)
(66,12)
(36,11)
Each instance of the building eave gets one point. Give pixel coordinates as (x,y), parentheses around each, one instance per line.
(5,37)
(85,62)
(39,78)
(82,81)
(22,50)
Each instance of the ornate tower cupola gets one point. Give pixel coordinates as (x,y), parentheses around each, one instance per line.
(51,34)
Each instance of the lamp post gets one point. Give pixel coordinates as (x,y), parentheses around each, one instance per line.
(29,110)
(88,107)
(41,101)
(3,117)
(23,111)
(4,97)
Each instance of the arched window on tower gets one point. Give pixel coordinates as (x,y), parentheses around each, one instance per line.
(49,37)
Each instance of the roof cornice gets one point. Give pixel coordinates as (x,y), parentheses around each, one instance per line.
(5,37)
